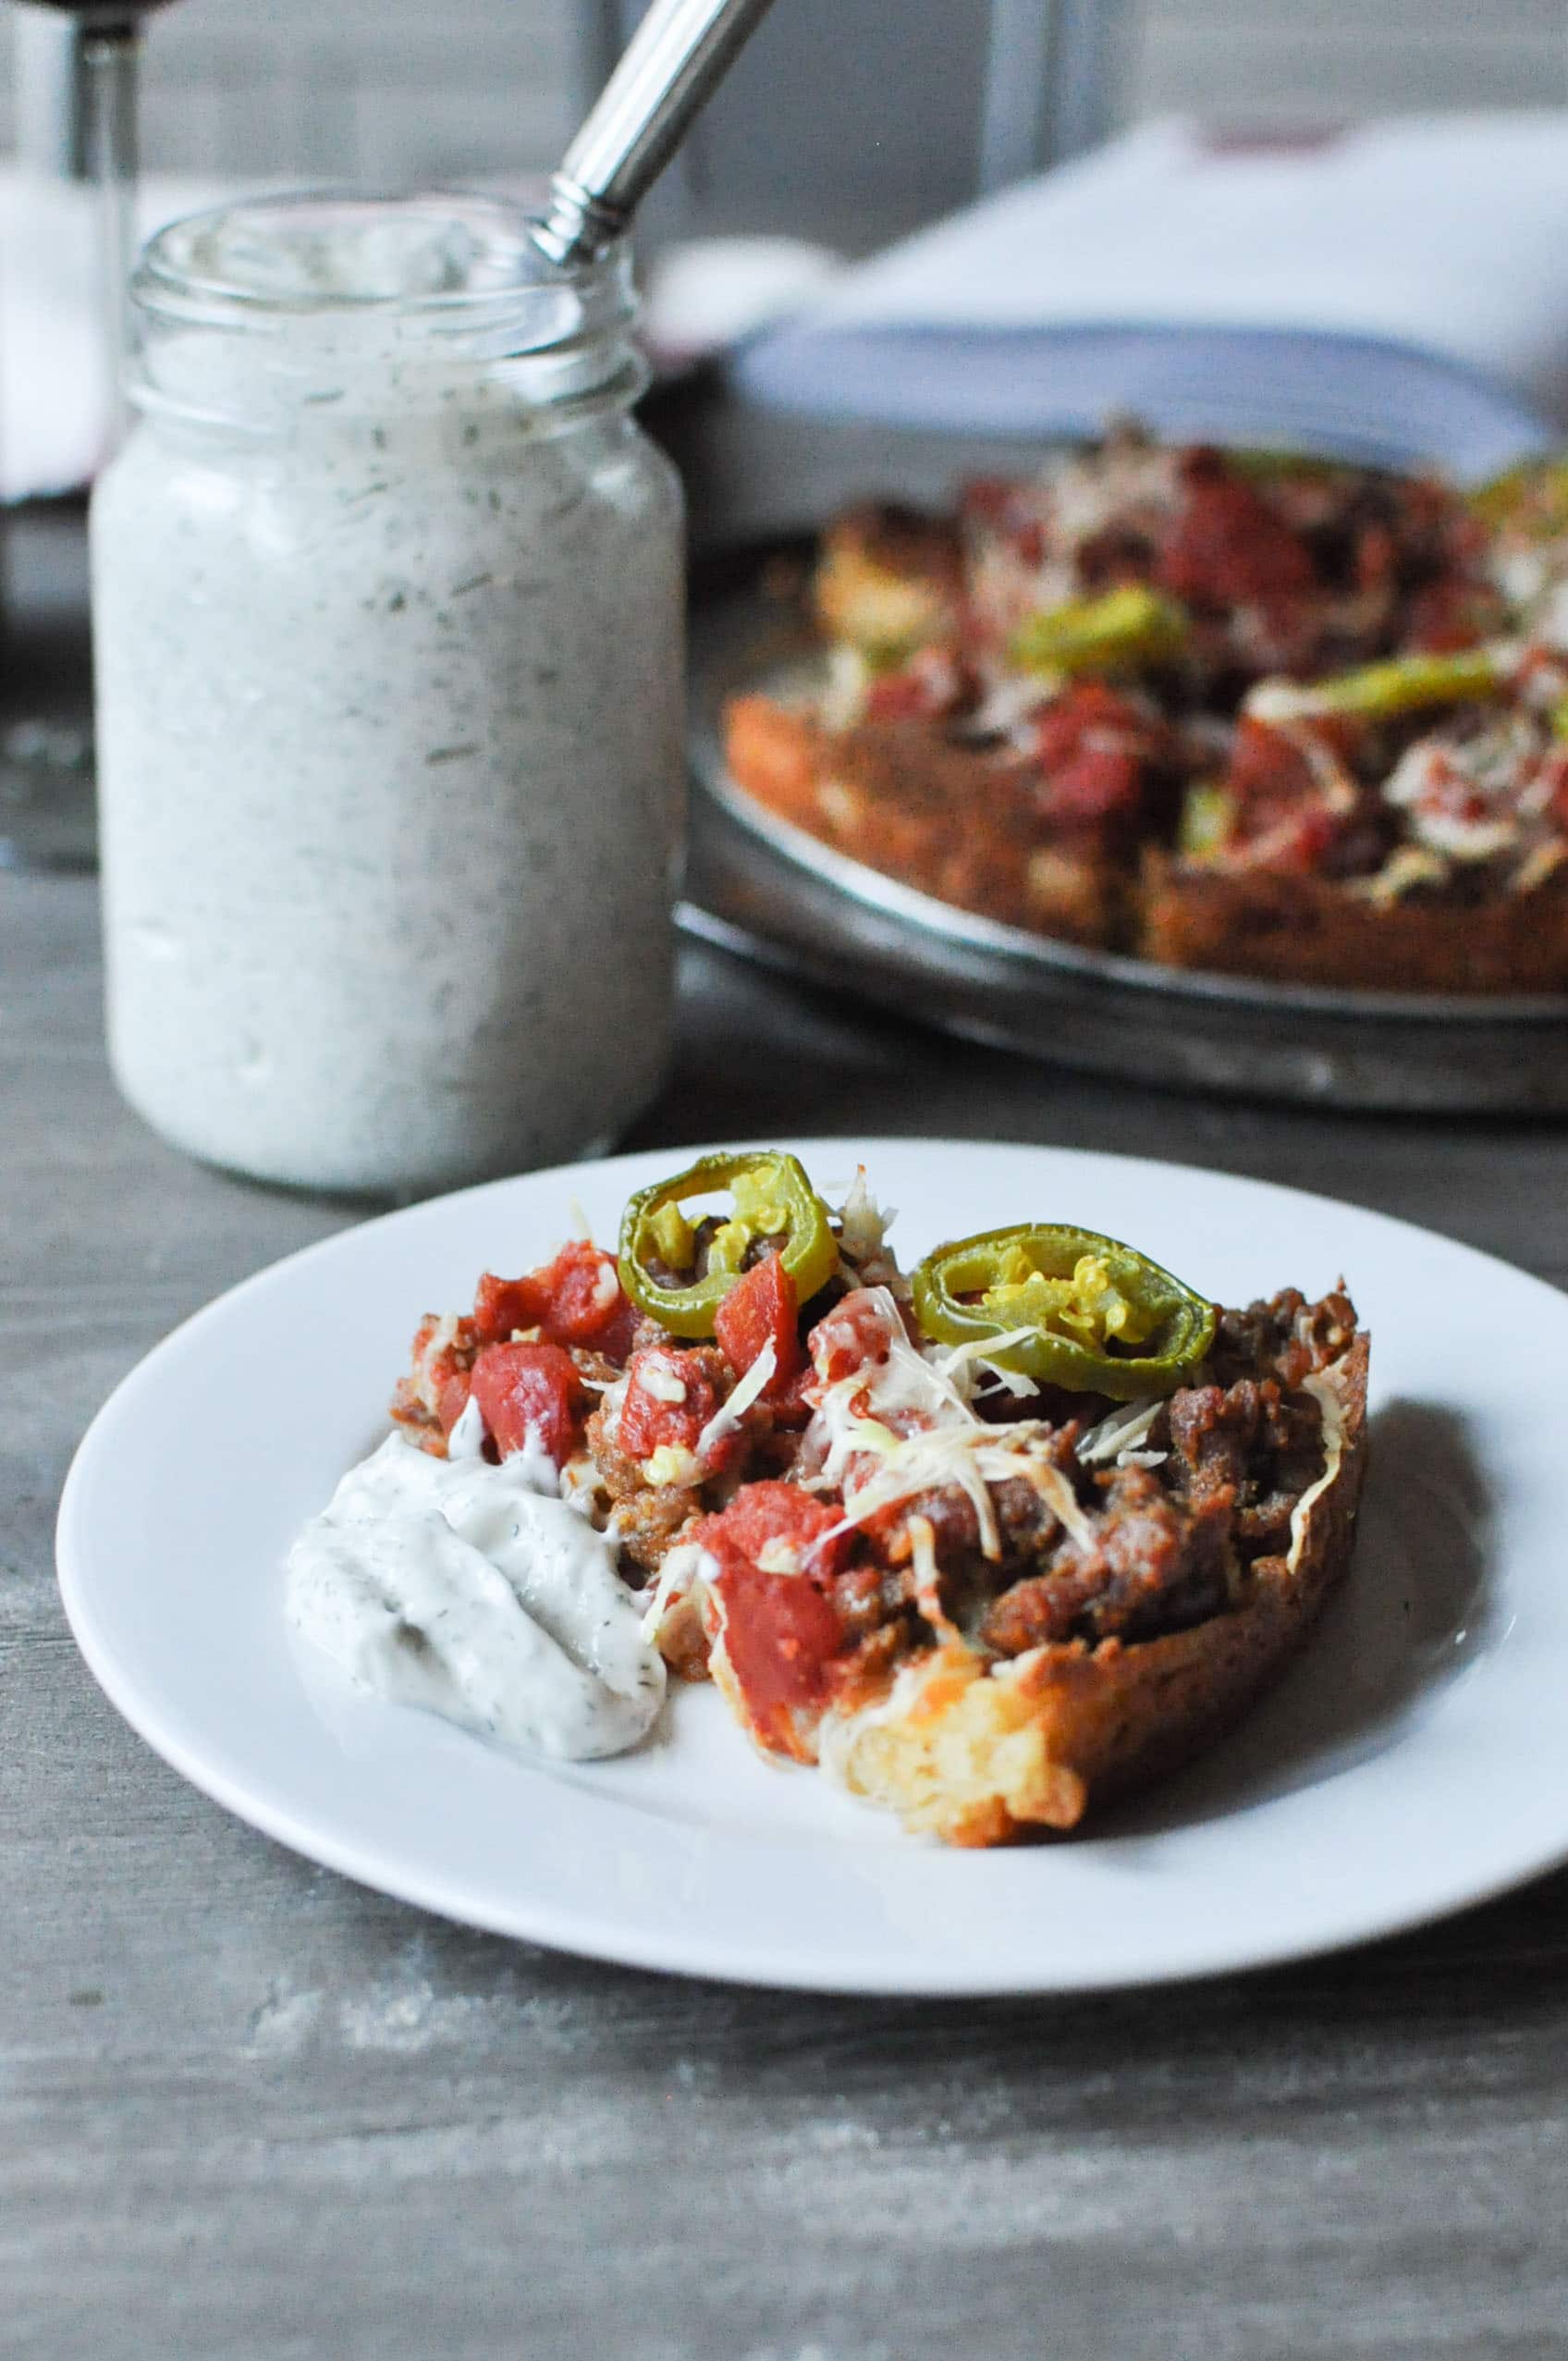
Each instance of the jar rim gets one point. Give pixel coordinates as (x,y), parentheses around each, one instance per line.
(233,262)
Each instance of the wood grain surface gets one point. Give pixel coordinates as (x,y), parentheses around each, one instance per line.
(250,2113)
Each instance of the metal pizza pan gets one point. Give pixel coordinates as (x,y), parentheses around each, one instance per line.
(758,885)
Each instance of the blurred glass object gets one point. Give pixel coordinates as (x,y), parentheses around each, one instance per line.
(76,79)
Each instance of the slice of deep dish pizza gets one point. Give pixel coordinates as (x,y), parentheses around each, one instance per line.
(1249,715)
(991,1543)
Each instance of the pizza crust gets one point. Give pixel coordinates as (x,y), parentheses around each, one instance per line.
(894,796)
(1304,930)
(903,799)
(978,1753)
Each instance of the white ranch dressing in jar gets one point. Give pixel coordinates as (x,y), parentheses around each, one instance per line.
(474,1591)
(388,618)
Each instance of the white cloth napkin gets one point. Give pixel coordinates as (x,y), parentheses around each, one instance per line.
(1392,292)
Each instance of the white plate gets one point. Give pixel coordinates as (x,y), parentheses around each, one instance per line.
(1416,1759)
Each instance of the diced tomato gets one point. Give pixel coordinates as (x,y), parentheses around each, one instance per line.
(575,1299)
(1267,765)
(793,1408)
(653,1414)
(783,1515)
(1282,816)
(1229,547)
(440,1357)
(1087,710)
(440,1348)
(1101,783)
(1093,748)
(896,696)
(779,1634)
(584,1303)
(759,1310)
(529,1389)
(452,1400)
(1029,542)
(1376,558)
(1270,779)
(502,1305)
(988,499)
(780,1628)
(859,1330)
(1450,614)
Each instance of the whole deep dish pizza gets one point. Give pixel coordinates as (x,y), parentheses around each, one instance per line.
(1247,714)
(992,1541)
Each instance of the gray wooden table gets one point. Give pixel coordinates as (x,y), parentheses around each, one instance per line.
(249,2112)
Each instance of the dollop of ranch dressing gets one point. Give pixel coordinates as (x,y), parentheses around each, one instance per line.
(476,1593)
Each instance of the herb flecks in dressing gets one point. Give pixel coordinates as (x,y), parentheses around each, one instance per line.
(469,1591)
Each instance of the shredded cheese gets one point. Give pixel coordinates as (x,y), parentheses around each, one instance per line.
(684,1566)
(1120,1435)
(582,1485)
(927,1579)
(1058,1494)
(1328,1400)
(847,688)
(671,1464)
(908,1414)
(727,1419)
(856,1422)
(1407,867)
(863,1223)
(606,1286)
(957,1361)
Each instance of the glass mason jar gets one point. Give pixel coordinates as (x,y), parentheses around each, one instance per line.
(388,604)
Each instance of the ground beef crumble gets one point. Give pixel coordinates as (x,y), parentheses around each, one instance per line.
(1156,1562)
(1163,1540)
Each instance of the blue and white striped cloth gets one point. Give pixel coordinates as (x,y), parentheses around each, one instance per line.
(1396,292)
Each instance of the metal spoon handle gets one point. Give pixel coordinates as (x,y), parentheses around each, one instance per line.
(670,67)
